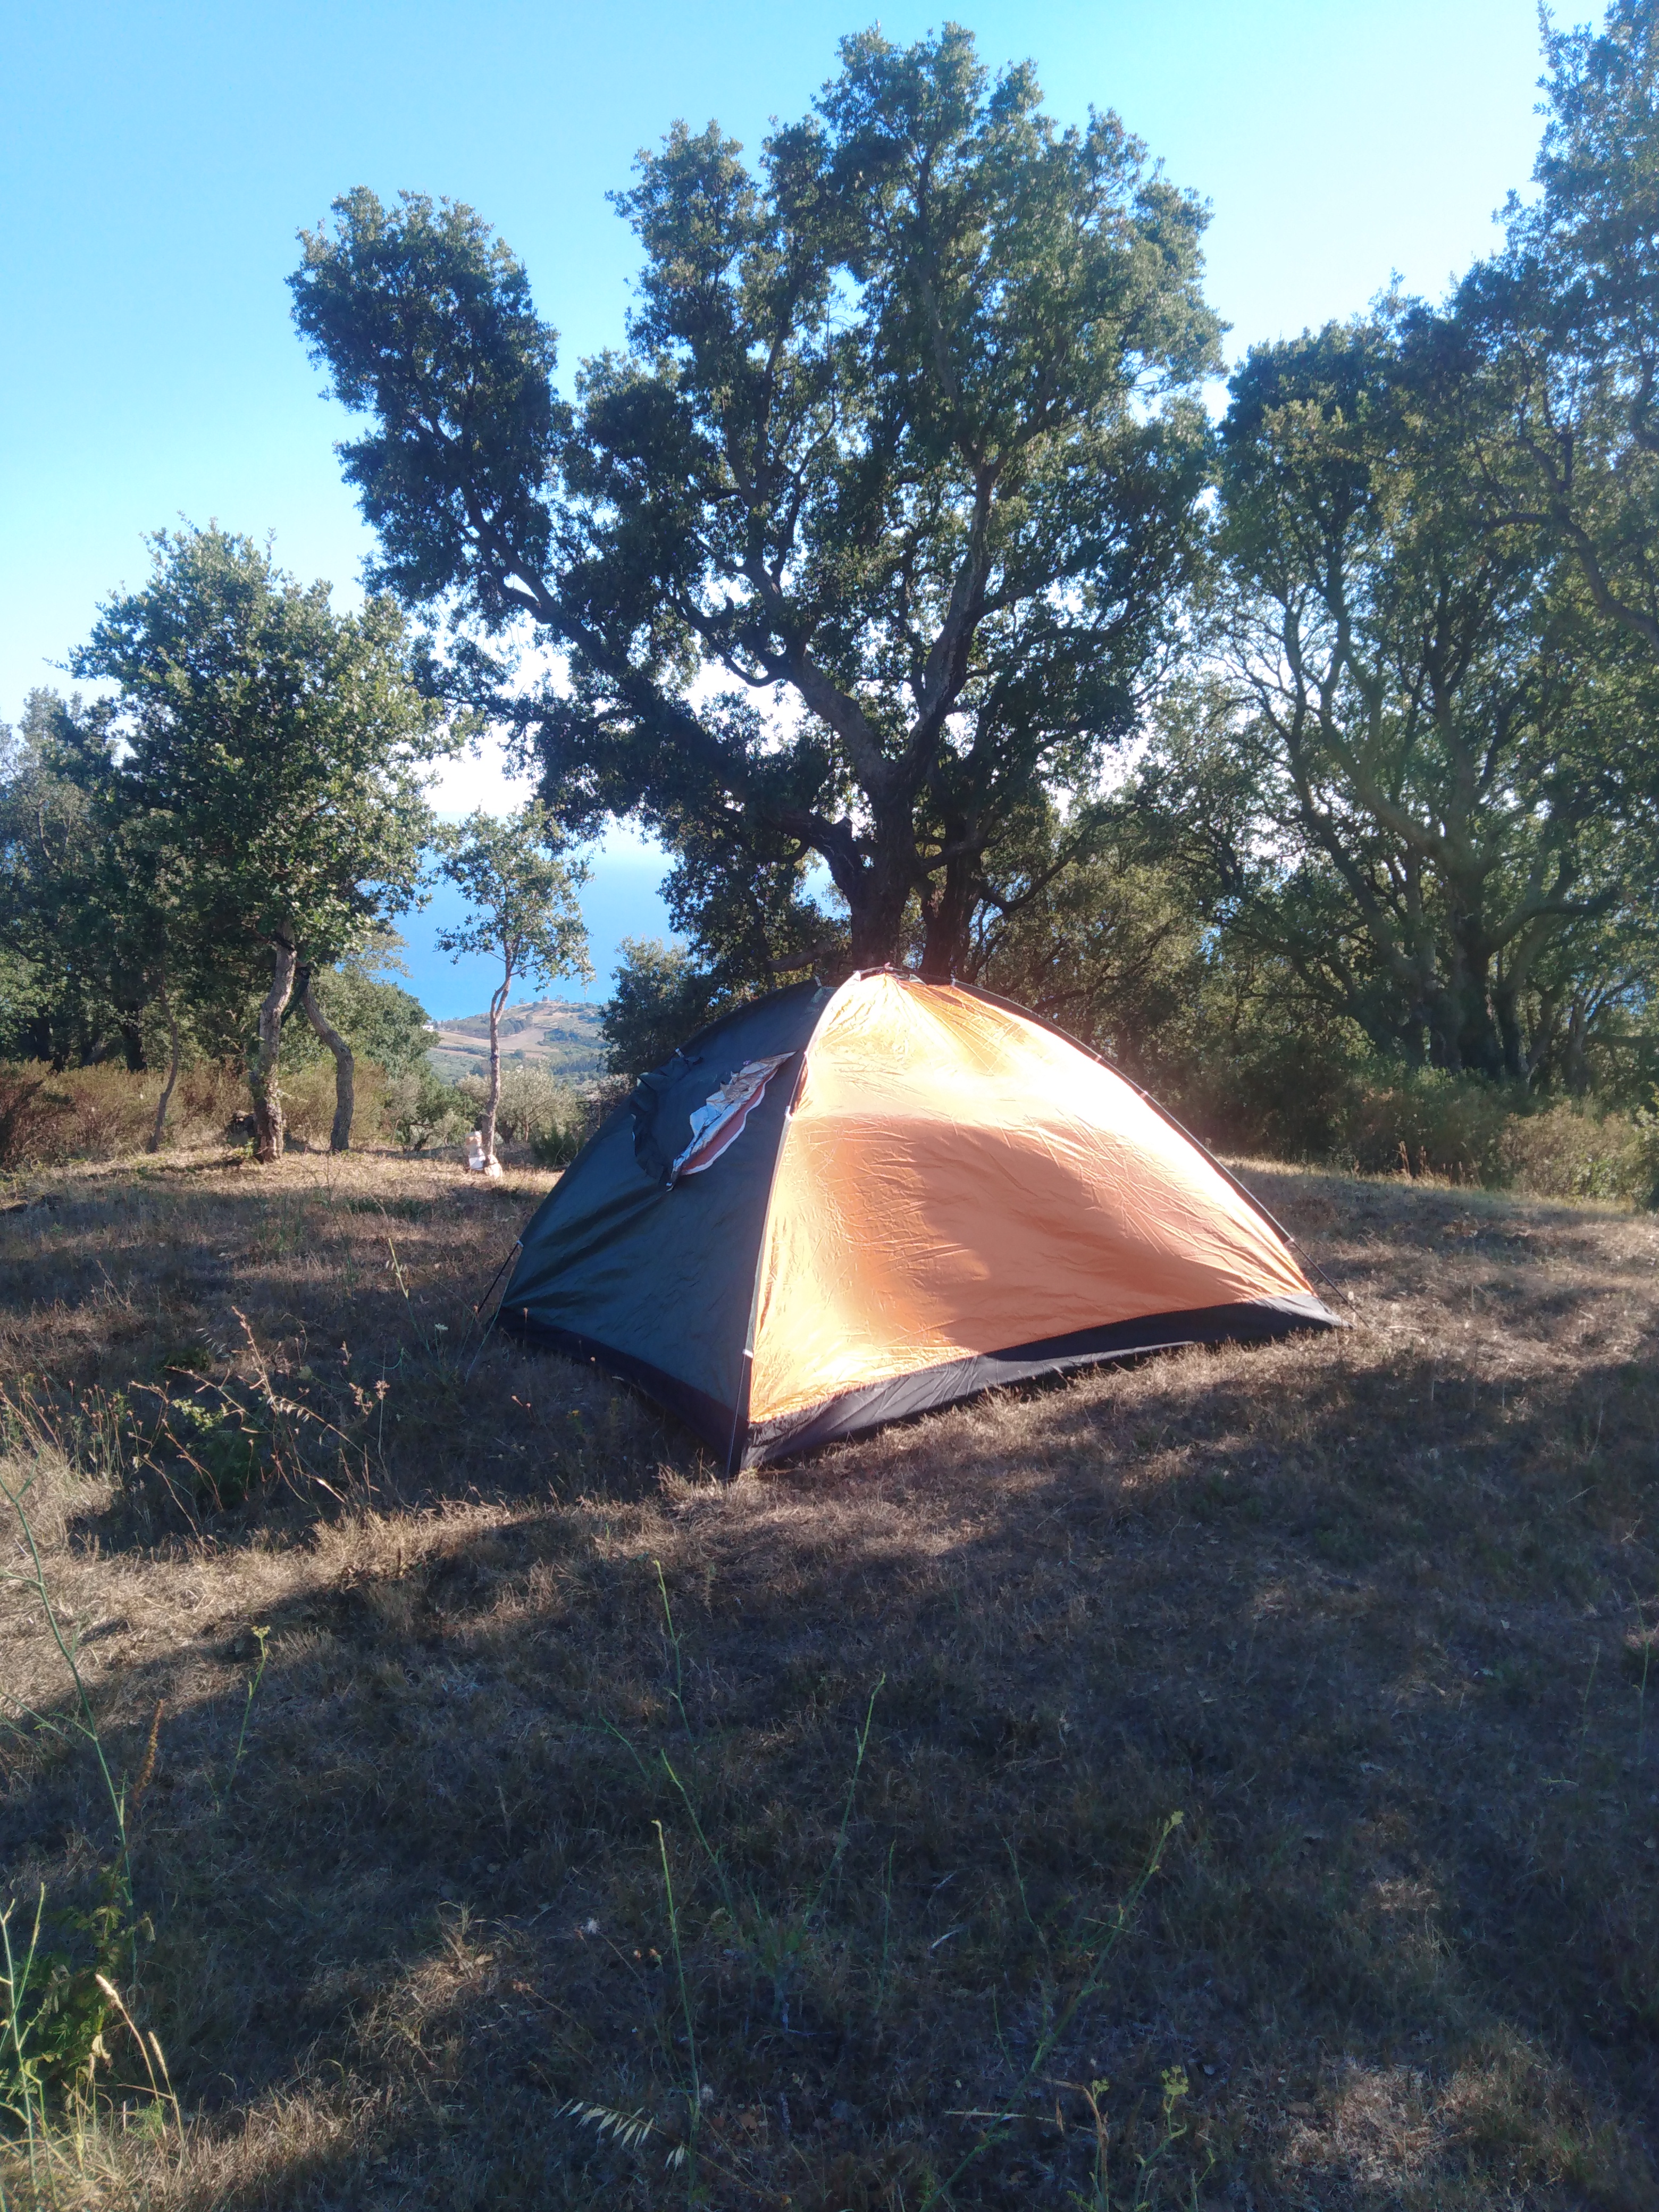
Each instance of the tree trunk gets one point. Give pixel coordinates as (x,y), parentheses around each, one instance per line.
(876,913)
(948,915)
(487,1119)
(132,1042)
(267,1098)
(1576,1068)
(165,1099)
(345,1069)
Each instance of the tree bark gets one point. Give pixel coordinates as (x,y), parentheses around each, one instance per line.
(345,1069)
(262,1077)
(165,1099)
(487,1119)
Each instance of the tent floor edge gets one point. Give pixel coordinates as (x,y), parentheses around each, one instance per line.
(927,1388)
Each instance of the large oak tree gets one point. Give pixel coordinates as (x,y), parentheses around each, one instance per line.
(1563,324)
(877,526)
(1441,752)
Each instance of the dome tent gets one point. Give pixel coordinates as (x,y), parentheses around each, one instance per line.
(835,1207)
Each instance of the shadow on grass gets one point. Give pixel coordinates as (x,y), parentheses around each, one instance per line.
(1364,1615)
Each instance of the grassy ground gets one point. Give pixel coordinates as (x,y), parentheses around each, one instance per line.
(810,1819)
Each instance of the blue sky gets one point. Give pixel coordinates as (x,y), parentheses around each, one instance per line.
(156,158)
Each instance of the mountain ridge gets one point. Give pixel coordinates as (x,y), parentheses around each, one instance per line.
(559,1036)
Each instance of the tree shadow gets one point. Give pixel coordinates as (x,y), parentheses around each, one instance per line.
(1365,1625)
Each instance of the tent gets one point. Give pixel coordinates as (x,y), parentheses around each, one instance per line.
(834,1207)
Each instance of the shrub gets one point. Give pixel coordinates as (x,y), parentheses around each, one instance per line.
(1572,1151)
(535,1110)
(101,1113)
(29,1114)
(308,1101)
(424,1112)
(212,1094)
(1428,1123)
(84,1113)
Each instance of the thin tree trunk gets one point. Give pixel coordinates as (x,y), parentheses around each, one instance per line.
(345,1069)
(487,1123)
(165,1099)
(267,1098)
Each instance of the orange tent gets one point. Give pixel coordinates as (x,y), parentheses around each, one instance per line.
(835,1208)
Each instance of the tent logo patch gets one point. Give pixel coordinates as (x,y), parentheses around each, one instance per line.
(718,1121)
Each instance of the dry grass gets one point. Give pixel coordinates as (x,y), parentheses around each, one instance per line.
(1372,1611)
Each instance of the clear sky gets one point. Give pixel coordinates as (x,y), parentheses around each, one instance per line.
(158,156)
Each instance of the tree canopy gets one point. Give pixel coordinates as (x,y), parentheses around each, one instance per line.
(276,749)
(1455,752)
(879,522)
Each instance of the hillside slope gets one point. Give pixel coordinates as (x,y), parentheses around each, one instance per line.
(559,1035)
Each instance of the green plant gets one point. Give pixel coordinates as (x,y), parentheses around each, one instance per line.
(425,1111)
(1170,2129)
(1059,2021)
(57,2004)
(262,1639)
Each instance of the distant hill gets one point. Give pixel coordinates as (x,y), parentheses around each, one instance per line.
(561,1034)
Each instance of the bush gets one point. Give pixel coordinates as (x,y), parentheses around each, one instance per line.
(84,1113)
(29,1114)
(1572,1151)
(535,1110)
(426,1113)
(101,1113)
(308,1101)
(1428,1123)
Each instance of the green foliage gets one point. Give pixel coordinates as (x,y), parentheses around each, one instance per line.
(659,997)
(535,1109)
(522,893)
(452,321)
(904,444)
(1448,783)
(1094,931)
(524,912)
(427,1111)
(279,747)
(53,2010)
(85,894)
(380,1020)
(1561,325)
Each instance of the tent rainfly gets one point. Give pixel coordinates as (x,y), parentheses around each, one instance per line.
(835,1207)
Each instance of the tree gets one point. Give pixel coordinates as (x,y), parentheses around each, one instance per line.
(1450,765)
(88,900)
(523,897)
(904,448)
(276,749)
(386,1023)
(659,997)
(1093,932)
(1565,324)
